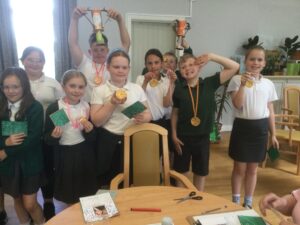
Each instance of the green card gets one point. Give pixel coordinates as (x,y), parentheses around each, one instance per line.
(59,118)
(251,220)
(273,153)
(134,109)
(13,127)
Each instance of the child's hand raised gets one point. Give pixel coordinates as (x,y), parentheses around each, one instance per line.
(114,14)
(57,132)
(79,12)
(246,77)
(15,139)
(202,60)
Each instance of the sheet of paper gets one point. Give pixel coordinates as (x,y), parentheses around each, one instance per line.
(226,218)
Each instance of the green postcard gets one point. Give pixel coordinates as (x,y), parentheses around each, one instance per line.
(13,127)
(134,109)
(273,153)
(251,220)
(59,118)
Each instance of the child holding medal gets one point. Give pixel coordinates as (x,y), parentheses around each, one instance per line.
(94,69)
(107,104)
(193,113)
(74,156)
(252,97)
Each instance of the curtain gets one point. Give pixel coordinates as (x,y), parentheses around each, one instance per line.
(61,15)
(8,48)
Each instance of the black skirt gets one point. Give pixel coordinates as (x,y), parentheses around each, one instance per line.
(75,172)
(248,141)
(19,185)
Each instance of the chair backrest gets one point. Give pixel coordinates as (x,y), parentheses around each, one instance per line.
(141,150)
(291,98)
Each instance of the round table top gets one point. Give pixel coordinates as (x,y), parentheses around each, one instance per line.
(150,197)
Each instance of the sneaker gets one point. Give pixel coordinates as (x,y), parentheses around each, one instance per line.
(3,217)
(49,210)
(247,206)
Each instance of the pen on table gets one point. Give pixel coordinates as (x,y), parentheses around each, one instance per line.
(146,209)
(211,210)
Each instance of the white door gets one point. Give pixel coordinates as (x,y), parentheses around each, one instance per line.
(146,34)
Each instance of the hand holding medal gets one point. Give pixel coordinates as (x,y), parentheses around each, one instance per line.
(87,125)
(121,94)
(247,80)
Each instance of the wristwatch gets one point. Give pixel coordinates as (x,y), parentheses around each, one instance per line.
(296,194)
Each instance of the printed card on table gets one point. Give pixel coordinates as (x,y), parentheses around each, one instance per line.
(13,127)
(98,207)
(59,118)
(134,109)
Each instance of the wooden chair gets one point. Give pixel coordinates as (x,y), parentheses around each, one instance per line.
(141,153)
(288,124)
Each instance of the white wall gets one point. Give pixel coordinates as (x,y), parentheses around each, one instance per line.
(219,26)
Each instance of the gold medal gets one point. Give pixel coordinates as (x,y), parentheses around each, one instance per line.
(83,120)
(97,80)
(195,121)
(249,83)
(121,94)
(153,82)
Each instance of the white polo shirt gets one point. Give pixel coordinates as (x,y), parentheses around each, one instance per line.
(256,98)
(87,67)
(118,122)
(155,96)
(46,90)
(73,135)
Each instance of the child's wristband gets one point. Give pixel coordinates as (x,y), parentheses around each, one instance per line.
(296,194)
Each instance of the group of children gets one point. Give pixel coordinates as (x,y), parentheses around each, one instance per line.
(87,152)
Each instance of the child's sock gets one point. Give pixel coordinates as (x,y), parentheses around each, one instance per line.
(248,201)
(236,198)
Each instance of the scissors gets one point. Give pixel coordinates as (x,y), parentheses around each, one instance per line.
(191,195)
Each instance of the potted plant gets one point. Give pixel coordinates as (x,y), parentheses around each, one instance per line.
(289,48)
(222,101)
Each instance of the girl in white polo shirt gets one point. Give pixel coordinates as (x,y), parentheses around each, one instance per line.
(106,114)
(252,96)
(74,155)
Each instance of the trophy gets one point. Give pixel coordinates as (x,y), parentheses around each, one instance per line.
(181,28)
(97,23)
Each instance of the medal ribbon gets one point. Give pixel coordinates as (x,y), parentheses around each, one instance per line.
(99,73)
(74,122)
(195,108)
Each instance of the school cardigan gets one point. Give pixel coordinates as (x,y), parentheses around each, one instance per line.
(29,153)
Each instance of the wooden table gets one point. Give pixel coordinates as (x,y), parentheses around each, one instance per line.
(152,197)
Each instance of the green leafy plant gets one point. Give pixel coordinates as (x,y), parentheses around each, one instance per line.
(289,47)
(252,42)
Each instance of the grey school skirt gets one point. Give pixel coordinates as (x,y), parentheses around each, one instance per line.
(248,141)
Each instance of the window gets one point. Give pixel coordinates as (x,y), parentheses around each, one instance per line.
(33,25)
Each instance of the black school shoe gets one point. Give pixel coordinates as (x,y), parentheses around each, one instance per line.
(49,210)
(3,217)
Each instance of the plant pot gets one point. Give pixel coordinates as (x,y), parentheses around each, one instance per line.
(296,55)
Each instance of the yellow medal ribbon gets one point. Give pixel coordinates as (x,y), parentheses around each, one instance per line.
(195,121)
